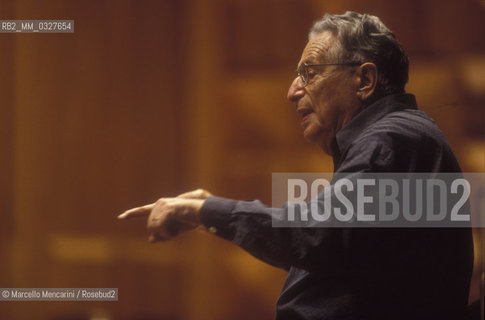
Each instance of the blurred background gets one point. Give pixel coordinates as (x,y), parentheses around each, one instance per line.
(153,98)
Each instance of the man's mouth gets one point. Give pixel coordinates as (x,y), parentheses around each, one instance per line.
(304,113)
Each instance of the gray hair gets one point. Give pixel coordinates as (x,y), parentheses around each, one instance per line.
(364,38)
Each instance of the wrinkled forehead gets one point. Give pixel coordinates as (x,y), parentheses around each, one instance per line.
(316,50)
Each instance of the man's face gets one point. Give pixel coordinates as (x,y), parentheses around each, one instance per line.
(329,99)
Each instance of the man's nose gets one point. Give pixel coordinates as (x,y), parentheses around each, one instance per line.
(296,91)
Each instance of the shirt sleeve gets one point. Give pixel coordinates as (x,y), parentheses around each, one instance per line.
(249,225)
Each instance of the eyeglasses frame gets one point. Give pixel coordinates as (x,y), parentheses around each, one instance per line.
(305,65)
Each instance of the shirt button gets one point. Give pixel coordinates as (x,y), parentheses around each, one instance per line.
(213,230)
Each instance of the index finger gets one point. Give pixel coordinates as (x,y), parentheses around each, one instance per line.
(139,212)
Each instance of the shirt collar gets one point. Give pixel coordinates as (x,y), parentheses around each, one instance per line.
(368,116)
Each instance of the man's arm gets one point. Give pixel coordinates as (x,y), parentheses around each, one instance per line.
(249,224)
(245,223)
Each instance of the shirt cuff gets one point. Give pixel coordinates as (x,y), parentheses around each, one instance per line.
(216,214)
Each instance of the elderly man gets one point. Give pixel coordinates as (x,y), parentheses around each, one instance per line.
(349,94)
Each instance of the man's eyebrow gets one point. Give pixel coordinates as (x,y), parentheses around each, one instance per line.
(306,61)
(311,60)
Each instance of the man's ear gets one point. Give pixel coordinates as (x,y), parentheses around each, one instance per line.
(367,74)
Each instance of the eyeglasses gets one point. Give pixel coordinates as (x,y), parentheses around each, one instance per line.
(302,71)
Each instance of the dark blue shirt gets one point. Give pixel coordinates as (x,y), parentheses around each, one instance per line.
(363,273)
